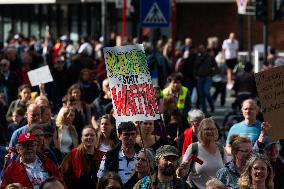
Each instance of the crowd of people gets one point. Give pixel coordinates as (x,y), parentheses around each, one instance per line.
(63,134)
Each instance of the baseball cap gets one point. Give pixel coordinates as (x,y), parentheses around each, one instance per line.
(166,150)
(268,145)
(25,137)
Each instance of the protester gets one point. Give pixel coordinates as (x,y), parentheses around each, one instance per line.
(17,118)
(210,156)
(29,168)
(24,94)
(122,159)
(144,167)
(100,103)
(230,49)
(189,136)
(166,162)
(272,152)
(33,117)
(250,127)
(204,68)
(80,166)
(107,137)
(65,135)
(82,110)
(241,152)
(258,174)
(178,91)
(149,139)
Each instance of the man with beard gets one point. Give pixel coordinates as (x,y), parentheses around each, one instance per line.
(165,177)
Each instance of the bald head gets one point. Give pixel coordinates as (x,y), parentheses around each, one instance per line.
(33,114)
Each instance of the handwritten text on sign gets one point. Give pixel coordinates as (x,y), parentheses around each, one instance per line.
(270,87)
(133,94)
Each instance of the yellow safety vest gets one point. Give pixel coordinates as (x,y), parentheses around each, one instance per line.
(181,97)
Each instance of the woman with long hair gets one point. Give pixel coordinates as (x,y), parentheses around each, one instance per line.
(82,110)
(107,137)
(145,166)
(65,135)
(149,139)
(81,165)
(210,156)
(258,174)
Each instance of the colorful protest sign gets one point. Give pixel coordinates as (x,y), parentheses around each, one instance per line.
(133,94)
(270,87)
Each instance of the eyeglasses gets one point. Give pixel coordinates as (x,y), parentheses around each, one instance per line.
(209,129)
(141,159)
(128,134)
(245,151)
(28,144)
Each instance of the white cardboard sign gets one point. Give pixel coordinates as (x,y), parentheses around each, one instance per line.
(40,75)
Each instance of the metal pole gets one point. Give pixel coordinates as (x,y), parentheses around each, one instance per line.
(103,29)
(173,34)
(124,11)
(265,41)
(249,37)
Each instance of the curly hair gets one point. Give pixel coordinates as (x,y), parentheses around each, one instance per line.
(245,181)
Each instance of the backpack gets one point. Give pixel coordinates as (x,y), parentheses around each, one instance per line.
(194,151)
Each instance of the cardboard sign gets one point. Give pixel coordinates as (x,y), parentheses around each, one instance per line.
(270,87)
(133,94)
(40,75)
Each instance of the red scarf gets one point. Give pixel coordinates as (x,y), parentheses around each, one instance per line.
(76,163)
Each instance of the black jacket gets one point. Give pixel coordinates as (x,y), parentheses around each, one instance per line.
(111,161)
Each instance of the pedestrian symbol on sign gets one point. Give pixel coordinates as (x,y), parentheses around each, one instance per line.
(155,16)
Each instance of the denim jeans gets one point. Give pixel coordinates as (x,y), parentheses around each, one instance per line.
(204,85)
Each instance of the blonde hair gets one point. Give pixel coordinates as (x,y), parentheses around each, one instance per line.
(61,117)
(214,183)
(202,124)
(245,181)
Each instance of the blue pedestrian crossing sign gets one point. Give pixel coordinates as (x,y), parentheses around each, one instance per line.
(155,13)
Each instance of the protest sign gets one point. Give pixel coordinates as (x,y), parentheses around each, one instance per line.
(133,94)
(270,87)
(40,75)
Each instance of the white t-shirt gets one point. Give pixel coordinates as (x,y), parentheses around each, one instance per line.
(104,148)
(200,174)
(231,47)
(36,173)
(66,140)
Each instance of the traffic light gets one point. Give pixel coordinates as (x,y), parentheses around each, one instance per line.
(277,12)
(261,13)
